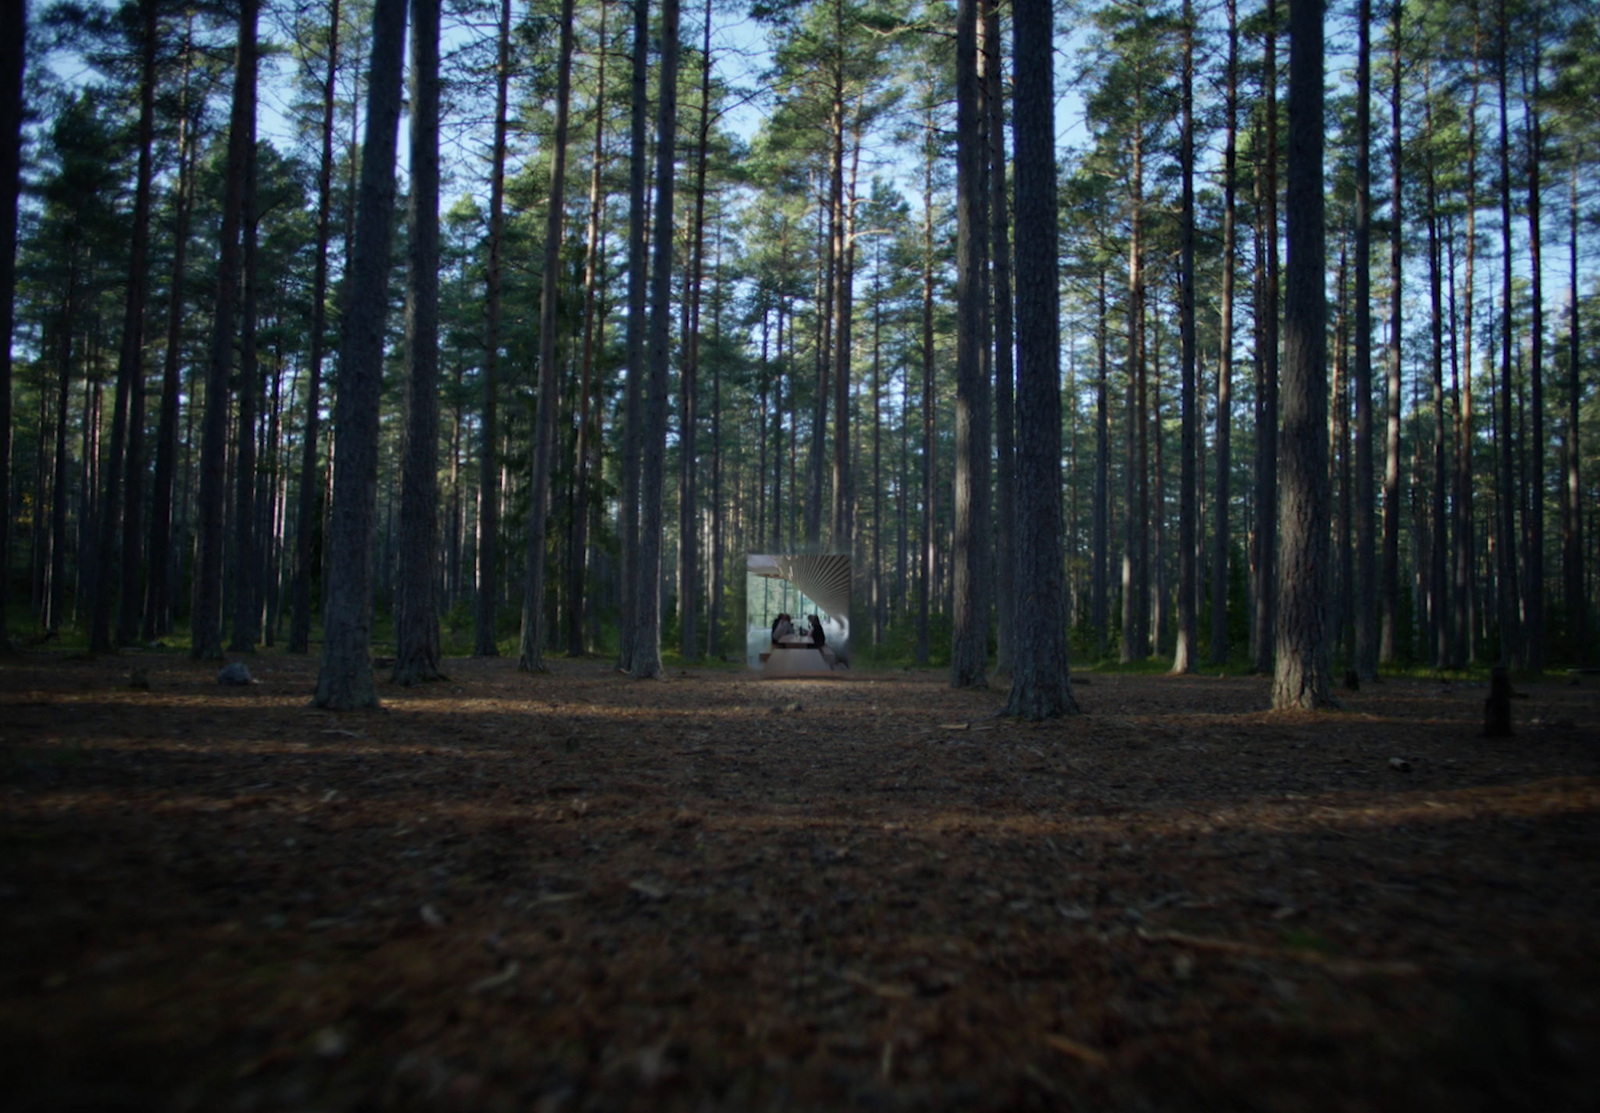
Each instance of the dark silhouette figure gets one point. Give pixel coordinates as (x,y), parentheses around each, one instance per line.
(1497,708)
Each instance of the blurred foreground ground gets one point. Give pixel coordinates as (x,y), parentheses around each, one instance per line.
(574,892)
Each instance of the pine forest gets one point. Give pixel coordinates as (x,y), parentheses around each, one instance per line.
(390,332)
(963,556)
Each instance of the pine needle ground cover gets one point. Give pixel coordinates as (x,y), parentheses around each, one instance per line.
(575,891)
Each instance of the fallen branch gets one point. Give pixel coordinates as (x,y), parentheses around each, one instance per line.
(1351,967)
(1079,1051)
(892,992)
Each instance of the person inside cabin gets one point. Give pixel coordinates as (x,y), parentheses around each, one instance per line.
(819,641)
(782,627)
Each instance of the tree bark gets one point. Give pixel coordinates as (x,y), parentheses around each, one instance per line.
(689,381)
(926,549)
(345,680)
(1100,575)
(593,337)
(485,604)
(1136,533)
(1466,610)
(715,592)
(969,648)
(1577,605)
(206,615)
(131,595)
(310,475)
(1041,685)
(1507,589)
(246,569)
(1267,443)
(13,36)
(531,655)
(637,338)
(158,584)
(1438,630)
(416,610)
(1187,650)
(1301,674)
(1222,553)
(1004,367)
(1365,588)
(653,448)
(1389,633)
(1534,601)
(121,465)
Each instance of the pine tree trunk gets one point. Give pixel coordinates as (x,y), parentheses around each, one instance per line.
(1577,605)
(1186,652)
(131,593)
(246,567)
(345,681)
(1534,602)
(1365,588)
(1222,553)
(158,584)
(1466,608)
(929,401)
(879,603)
(1507,589)
(416,610)
(310,476)
(531,655)
(13,35)
(637,340)
(969,648)
(206,616)
(1004,369)
(715,591)
(689,382)
(1155,427)
(653,447)
(270,497)
(1389,634)
(129,369)
(487,597)
(1100,573)
(1267,442)
(1341,635)
(1041,684)
(1135,559)
(822,349)
(593,336)
(1438,610)
(59,495)
(1301,675)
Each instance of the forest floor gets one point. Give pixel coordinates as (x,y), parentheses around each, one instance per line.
(716,892)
